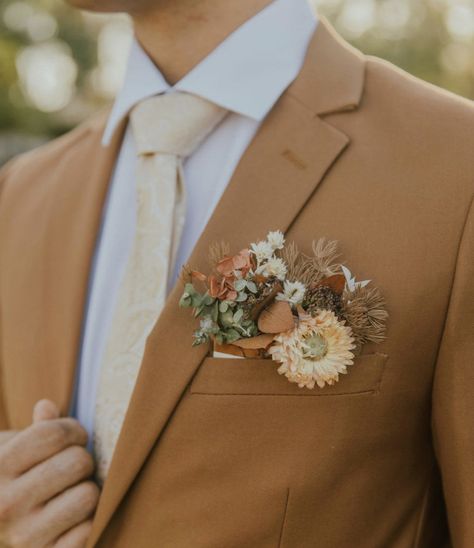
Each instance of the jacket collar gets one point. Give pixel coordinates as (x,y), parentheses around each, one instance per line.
(246,73)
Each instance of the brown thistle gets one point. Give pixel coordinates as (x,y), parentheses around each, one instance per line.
(311,269)
(364,310)
(217,252)
(323,298)
(185,276)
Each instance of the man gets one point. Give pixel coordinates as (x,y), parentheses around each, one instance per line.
(292,130)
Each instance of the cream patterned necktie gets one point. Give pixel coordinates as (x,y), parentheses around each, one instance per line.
(167,129)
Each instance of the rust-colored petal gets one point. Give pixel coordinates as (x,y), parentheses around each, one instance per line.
(229,295)
(336,283)
(242,260)
(278,288)
(239,352)
(228,349)
(214,287)
(225,266)
(198,276)
(258,342)
(277,318)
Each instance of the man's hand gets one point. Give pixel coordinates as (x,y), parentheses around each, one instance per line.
(45,498)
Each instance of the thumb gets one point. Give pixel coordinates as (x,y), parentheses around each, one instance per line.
(45,410)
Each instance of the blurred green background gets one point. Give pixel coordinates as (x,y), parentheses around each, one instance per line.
(57,65)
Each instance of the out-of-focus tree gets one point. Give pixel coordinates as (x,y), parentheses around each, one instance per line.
(432,39)
(58,65)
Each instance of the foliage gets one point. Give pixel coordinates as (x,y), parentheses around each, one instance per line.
(432,39)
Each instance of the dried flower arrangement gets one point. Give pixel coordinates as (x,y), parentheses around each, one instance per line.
(306,312)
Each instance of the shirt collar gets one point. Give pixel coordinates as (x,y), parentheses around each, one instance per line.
(246,73)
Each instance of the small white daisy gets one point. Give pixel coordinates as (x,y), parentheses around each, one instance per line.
(293,293)
(274,267)
(207,324)
(263,251)
(276,239)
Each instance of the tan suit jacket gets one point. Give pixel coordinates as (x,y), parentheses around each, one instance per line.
(225,453)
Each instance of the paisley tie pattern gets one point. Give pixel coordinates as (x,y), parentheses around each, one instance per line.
(166,129)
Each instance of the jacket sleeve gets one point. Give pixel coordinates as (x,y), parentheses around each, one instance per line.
(453,397)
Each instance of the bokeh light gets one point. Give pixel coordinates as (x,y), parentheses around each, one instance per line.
(48,75)
(58,65)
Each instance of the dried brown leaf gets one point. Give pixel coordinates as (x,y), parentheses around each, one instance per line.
(277,318)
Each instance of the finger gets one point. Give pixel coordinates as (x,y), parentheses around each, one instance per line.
(64,512)
(38,443)
(44,481)
(45,410)
(75,537)
(7,435)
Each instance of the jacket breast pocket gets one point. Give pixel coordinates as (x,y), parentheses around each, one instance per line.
(260,377)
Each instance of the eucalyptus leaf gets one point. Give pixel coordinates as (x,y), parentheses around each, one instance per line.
(196,300)
(185,301)
(241,297)
(227,318)
(215,312)
(240,285)
(232,335)
(238,315)
(208,300)
(252,287)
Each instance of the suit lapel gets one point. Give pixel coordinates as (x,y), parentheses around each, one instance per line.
(275,178)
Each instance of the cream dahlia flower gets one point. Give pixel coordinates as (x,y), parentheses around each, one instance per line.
(317,351)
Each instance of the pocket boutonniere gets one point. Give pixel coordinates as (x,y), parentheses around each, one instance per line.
(306,312)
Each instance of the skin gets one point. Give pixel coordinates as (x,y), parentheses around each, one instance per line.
(46,497)
(178,34)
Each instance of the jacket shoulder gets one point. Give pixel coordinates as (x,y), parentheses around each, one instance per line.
(58,149)
(405,94)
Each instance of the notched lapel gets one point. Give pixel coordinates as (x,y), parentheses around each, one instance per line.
(277,175)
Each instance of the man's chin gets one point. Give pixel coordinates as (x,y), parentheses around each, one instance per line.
(97,5)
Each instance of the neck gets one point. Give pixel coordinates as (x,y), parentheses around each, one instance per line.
(177,35)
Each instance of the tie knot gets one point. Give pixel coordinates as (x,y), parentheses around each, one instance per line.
(175,123)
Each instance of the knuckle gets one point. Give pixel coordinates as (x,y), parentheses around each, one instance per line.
(55,433)
(8,508)
(84,531)
(3,460)
(82,462)
(88,494)
(75,430)
(17,538)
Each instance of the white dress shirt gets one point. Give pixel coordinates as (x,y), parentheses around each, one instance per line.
(246,74)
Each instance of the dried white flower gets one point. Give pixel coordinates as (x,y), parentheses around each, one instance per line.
(276,239)
(352,285)
(263,251)
(207,325)
(273,267)
(293,293)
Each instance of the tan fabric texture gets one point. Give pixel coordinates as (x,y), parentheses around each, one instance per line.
(226,453)
(166,129)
